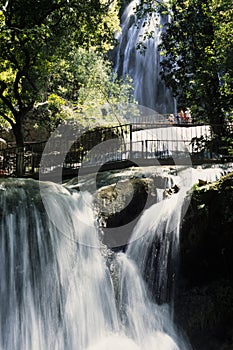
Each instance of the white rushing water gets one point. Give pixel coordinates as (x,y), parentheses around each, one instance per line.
(155,239)
(56,289)
(61,288)
(144,68)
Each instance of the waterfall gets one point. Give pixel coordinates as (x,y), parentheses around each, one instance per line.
(55,293)
(61,288)
(154,243)
(143,66)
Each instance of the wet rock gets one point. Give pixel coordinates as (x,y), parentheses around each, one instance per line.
(123,201)
(204,295)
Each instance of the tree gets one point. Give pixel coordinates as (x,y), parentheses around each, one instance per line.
(197,58)
(222,18)
(189,59)
(33,35)
(197,50)
(82,89)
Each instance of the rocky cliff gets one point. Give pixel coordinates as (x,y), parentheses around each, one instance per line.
(204,286)
(204,294)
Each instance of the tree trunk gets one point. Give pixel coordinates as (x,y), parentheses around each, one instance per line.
(19,138)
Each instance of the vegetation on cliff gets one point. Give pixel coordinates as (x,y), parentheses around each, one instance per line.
(204,297)
(204,285)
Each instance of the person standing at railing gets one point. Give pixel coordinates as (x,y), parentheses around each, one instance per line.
(178,118)
(188,116)
(181,114)
(171,118)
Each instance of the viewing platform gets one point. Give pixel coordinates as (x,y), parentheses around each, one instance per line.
(139,143)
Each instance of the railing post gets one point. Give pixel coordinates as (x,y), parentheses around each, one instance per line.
(33,162)
(130,141)
(146,151)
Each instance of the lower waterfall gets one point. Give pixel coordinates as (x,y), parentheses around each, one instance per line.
(57,291)
(61,288)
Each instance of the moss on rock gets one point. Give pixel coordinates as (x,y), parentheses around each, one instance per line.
(204,297)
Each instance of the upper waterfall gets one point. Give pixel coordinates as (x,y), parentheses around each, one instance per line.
(143,67)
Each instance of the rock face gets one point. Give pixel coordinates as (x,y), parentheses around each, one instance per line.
(121,204)
(204,290)
(204,295)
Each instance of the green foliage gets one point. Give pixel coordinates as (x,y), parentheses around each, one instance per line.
(222,19)
(81,89)
(99,86)
(37,34)
(197,54)
(85,77)
(189,63)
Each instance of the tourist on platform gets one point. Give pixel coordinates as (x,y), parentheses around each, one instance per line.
(188,116)
(171,118)
(181,114)
(178,118)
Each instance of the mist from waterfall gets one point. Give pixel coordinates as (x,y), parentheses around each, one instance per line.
(143,65)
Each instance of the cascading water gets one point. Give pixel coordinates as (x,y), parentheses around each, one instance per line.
(143,68)
(55,294)
(57,291)
(154,244)
(61,288)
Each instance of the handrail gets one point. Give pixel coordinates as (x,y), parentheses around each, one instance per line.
(32,152)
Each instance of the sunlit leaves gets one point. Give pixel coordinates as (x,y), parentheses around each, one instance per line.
(79,88)
(35,36)
(86,79)
(197,55)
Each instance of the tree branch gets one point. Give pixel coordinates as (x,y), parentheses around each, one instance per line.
(50,11)
(3,87)
(9,120)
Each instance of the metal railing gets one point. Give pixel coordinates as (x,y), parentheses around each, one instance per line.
(160,141)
